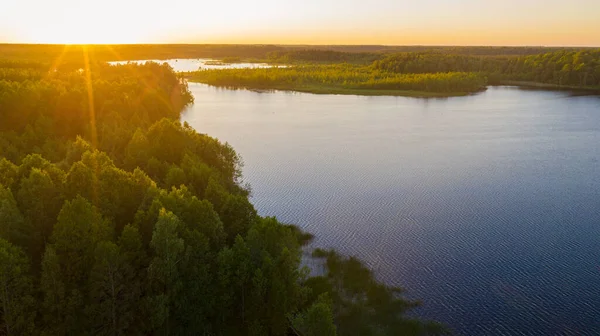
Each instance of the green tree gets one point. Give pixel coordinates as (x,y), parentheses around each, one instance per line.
(40,200)
(8,173)
(108,289)
(168,250)
(136,152)
(78,229)
(12,223)
(316,320)
(237,214)
(54,304)
(234,274)
(81,181)
(17,311)
(134,269)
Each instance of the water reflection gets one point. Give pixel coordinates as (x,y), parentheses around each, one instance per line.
(185,65)
(484,206)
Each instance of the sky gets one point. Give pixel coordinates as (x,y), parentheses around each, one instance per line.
(386,22)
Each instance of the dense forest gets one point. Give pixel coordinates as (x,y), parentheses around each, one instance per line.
(411,73)
(339,77)
(369,54)
(116,219)
(311,56)
(567,68)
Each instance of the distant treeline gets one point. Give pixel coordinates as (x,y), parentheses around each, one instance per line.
(103,53)
(458,50)
(320,56)
(115,219)
(72,54)
(329,78)
(564,68)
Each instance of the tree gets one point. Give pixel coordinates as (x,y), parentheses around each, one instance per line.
(237,215)
(136,152)
(316,320)
(54,304)
(175,177)
(8,173)
(78,229)
(40,200)
(167,142)
(108,289)
(134,270)
(76,149)
(16,300)
(234,273)
(81,181)
(12,223)
(195,214)
(168,249)
(194,305)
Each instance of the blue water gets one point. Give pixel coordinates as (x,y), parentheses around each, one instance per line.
(486,207)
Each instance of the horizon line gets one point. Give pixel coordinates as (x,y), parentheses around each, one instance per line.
(303,45)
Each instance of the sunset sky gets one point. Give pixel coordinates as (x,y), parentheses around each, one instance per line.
(391,22)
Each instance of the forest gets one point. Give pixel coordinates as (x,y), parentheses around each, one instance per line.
(421,74)
(563,68)
(116,219)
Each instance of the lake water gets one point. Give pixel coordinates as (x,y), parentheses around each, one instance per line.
(486,207)
(185,65)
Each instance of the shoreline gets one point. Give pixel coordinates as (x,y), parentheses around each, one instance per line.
(548,86)
(324,90)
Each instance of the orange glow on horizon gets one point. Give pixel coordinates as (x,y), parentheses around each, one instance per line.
(383,22)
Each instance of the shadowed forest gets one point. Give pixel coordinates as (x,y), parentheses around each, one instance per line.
(115,219)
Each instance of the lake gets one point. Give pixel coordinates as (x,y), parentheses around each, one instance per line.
(185,65)
(485,207)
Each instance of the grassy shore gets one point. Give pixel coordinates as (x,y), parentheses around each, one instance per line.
(345,91)
(344,79)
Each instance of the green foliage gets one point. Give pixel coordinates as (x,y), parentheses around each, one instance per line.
(134,224)
(55,311)
(17,311)
(12,223)
(434,71)
(565,68)
(317,320)
(78,229)
(320,56)
(45,111)
(40,200)
(339,76)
